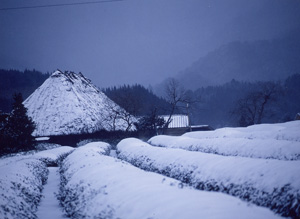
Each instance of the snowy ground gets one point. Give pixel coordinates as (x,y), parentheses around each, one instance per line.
(277,141)
(22,180)
(281,131)
(49,207)
(99,186)
(96,182)
(229,146)
(271,183)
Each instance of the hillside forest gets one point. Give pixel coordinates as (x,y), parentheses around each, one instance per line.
(235,103)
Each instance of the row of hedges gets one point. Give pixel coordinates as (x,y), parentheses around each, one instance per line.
(21,185)
(99,186)
(270,183)
(255,148)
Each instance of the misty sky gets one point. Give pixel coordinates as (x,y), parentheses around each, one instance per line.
(133,41)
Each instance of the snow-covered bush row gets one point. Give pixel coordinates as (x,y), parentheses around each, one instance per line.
(21,183)
(99,186)
(280,131)
(271,183)
(48,156)
(257,148)
(52,156)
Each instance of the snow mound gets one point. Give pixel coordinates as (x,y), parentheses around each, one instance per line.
(99,186)
(271,183)
(256,148)
(52,156)
(281,131)
(68,103)
(21,183)
(99,145)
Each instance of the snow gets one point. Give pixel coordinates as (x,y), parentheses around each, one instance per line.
(21,181)
(139,180)
(113,153)
(257,148)
(270,183)
(68,103)
(99,186)
(42,139)
(49,207)
(177,121)
(53,154)
(289,131)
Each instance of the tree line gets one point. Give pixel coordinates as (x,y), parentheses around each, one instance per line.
(234,103)
(246,103)
(15,81)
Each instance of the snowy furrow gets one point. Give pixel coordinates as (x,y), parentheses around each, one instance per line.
(21,181)
(271,183)
(98,186)
(256,148)
(281,131)
(21,184)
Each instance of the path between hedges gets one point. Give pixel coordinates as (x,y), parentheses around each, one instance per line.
(49,206)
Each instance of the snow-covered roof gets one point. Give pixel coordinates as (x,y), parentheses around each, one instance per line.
(68,103)
(177,121)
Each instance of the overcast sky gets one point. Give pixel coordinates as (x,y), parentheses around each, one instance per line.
(133,41)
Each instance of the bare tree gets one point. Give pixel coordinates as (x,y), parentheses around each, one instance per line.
(117,117)
(251,109)
(176,96)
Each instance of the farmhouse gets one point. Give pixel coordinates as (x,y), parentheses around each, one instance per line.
(68,103)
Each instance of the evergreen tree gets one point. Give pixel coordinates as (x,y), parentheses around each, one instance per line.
(16,130)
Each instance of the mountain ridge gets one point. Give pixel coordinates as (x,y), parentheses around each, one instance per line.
(260,60)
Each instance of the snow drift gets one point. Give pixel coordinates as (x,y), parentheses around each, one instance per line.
(99,186)
(257,148)
(271,183)
(21,182)
(280,131)
(68,103)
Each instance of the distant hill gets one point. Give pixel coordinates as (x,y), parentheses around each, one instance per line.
(217,103)
(14,81)
(245,61)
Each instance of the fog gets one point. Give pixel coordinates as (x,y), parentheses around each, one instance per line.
(133,41)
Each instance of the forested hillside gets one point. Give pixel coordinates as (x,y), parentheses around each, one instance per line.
(220,106)
(137,100)
(14,81)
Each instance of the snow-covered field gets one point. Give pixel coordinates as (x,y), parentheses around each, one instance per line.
(281,131)
(277,141)
(271,183)
(98,186)
(140,180)
(21,182)
(229,146)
